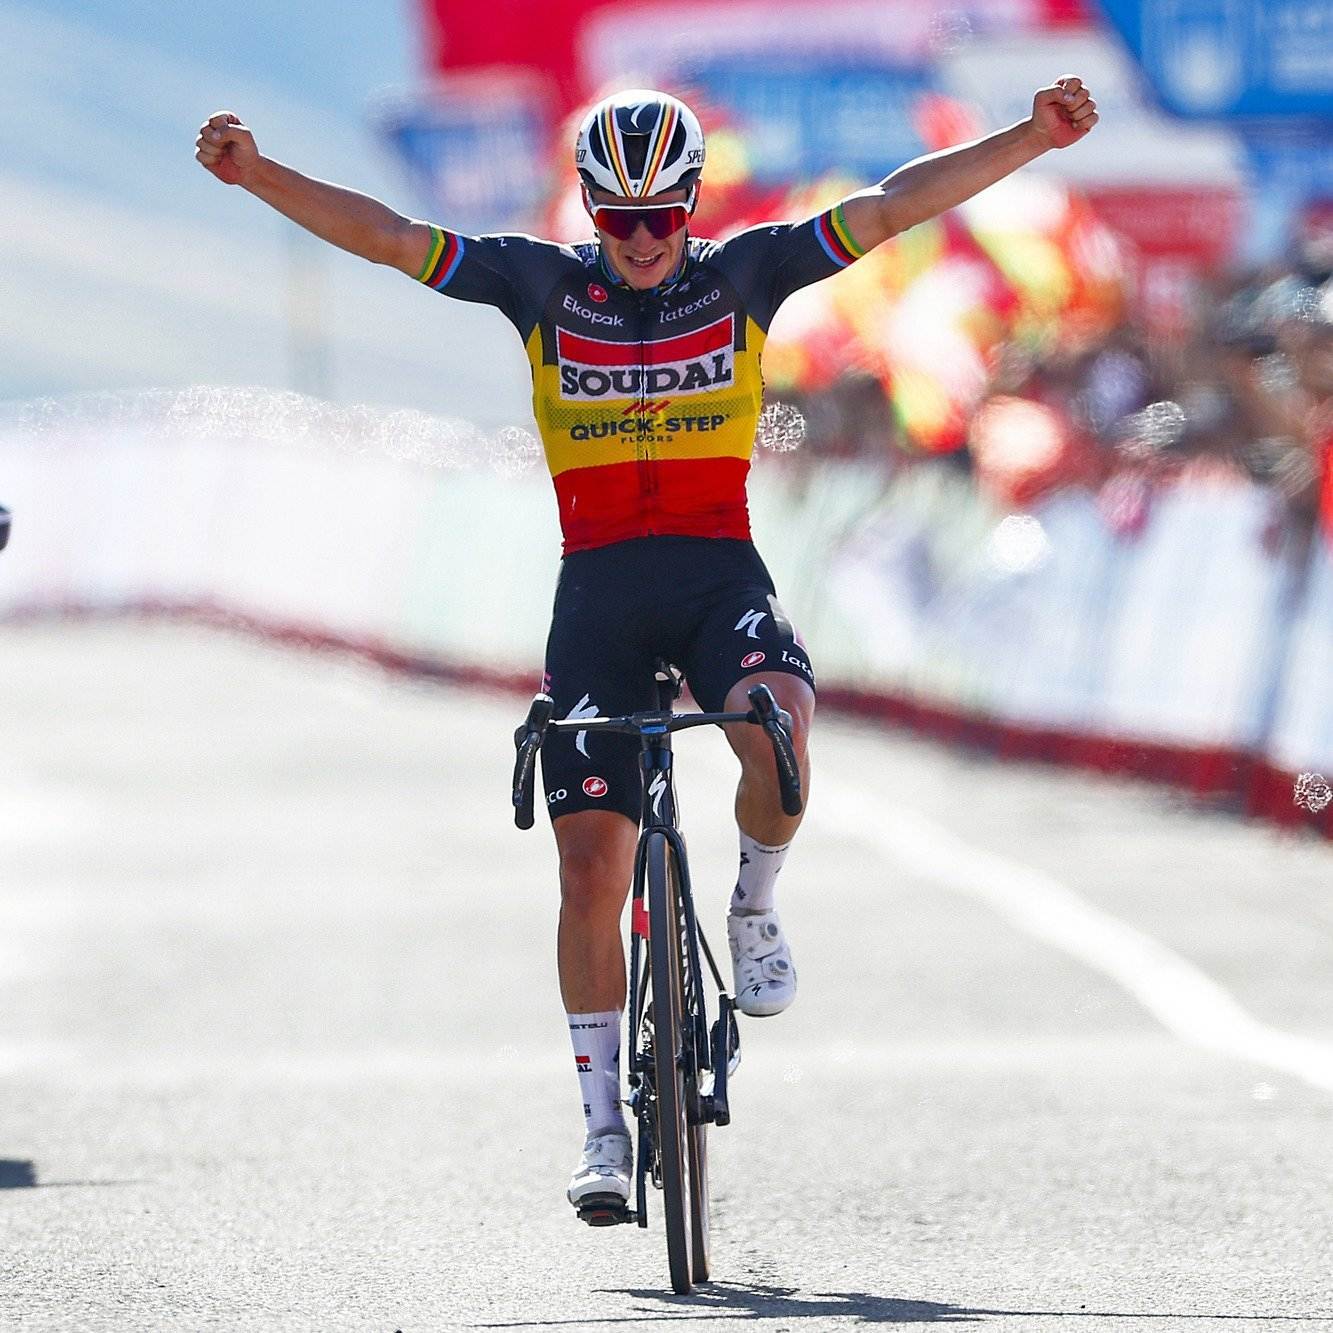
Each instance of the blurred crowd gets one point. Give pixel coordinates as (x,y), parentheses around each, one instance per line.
(1243,391)
(1247,392)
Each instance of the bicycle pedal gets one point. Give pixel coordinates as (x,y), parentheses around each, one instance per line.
(604,1211)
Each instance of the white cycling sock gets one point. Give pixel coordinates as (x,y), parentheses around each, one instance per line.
(758,875)
(596,1039)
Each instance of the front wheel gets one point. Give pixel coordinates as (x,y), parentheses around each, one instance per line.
(698,1151)
(676,1152)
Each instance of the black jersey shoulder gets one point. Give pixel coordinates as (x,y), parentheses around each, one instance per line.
(512,271)
(766,263)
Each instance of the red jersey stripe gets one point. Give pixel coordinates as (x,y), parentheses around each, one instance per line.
(595,352)
(681,497)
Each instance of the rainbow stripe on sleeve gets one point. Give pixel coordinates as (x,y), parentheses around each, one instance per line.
(446,252)
(836,237)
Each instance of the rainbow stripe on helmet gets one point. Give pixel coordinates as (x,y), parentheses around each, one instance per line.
(657,150)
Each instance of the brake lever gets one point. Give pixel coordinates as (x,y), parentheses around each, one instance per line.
(527,741)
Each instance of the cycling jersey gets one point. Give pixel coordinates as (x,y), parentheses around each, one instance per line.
(647,402)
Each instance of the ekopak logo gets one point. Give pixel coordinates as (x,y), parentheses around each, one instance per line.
(595,787)
(752,659)
(596,292)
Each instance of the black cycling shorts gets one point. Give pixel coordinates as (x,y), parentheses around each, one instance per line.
(705,604)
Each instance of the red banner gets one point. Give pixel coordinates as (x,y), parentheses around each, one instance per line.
(545,38)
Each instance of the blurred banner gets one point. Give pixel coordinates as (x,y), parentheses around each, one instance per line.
(577,45)
(1252,59)
(475,148)
(802,120)
(807,87)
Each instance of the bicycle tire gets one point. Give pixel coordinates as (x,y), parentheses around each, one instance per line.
(699,1220)
(673,1128)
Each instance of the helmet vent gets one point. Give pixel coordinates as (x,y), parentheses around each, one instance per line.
(636,154)
(596,147)
(677,149)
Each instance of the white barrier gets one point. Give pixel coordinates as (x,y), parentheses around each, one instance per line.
(1188,634)
(1301,736)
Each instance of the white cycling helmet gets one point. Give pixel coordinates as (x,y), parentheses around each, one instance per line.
(639,143)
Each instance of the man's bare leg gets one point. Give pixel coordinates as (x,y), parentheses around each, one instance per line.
(765,979)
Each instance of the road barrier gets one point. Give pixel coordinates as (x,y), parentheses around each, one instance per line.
(1185,648)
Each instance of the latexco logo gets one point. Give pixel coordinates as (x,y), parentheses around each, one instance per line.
(798,662)
(692,308)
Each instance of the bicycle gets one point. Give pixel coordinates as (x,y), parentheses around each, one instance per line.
(678,1066)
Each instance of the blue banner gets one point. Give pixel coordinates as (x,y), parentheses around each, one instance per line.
(1224,59)
(478,163)
(803,120)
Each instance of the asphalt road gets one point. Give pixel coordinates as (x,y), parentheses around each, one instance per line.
(282,1048)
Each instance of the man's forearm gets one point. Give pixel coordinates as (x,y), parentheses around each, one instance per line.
(346,218)
(928,186)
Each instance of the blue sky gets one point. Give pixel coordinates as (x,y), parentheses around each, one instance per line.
(333,53)
(125,265)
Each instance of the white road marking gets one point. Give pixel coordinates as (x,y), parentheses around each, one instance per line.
(1184,999)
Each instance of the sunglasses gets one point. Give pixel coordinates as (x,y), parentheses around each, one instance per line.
(622,220)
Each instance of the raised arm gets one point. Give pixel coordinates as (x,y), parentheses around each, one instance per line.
(1061,115)
(346,218)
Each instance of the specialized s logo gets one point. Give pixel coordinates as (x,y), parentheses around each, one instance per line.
(592,369)
(750,623)
(657,789)
(584,708)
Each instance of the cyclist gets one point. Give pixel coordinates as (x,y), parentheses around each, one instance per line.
(644,345)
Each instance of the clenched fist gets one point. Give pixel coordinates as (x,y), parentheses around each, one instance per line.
(226,148)
(1063,113)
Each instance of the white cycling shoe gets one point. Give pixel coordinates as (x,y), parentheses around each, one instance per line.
(599,1188)
(761,963)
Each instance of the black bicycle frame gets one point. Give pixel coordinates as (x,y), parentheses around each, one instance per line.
(657,819)
(658,816)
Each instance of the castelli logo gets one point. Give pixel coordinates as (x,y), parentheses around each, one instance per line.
(594,787)
(752,659)
(596,293)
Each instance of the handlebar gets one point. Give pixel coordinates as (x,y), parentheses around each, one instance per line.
(527,741)
(764,712)
(776,723)
(4,527)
